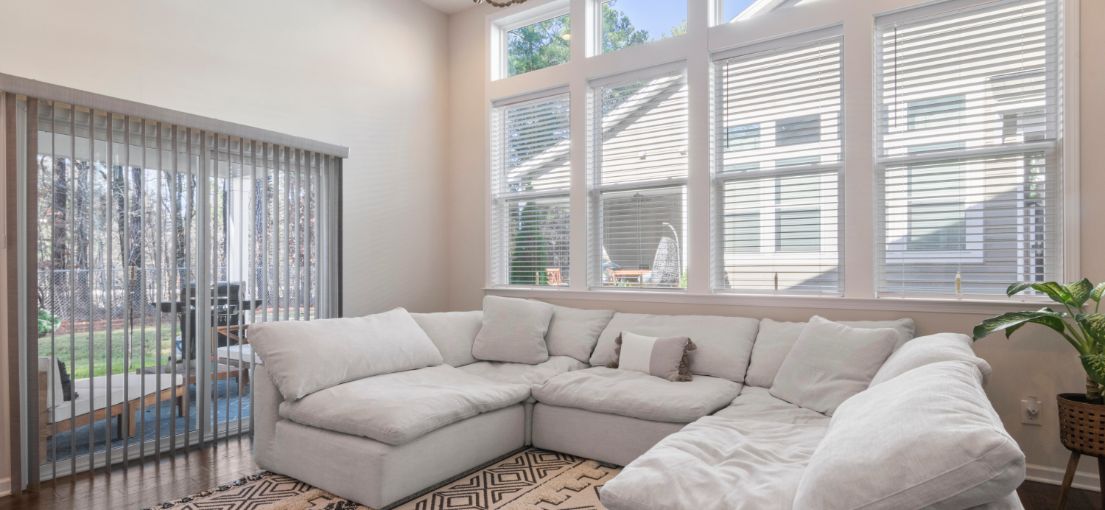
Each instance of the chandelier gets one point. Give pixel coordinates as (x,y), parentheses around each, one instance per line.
(499,3)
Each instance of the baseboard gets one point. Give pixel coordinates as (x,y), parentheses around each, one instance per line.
(5,486)
(1054,476)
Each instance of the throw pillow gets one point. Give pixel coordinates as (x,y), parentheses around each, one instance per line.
(927,350)
(831,362)
(453,333)
(928,438)
(574,332)
(513,331)
(667,358)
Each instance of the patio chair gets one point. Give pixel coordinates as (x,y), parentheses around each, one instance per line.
(94,400)
(665,265)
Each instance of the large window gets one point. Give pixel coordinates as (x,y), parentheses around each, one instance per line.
(967,145)
(640,178)
(625,23)
(530,182)
(777,166)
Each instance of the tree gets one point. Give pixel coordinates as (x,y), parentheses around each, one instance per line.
(529,255)
(546,43)
(617,30)
(539,45)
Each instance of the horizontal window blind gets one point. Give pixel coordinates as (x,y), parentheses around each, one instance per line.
(969,174)
(778,160)
(531,174)
(641,175)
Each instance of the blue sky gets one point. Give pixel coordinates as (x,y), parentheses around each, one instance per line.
(660,16)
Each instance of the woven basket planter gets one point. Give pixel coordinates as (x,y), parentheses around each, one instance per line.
(1081,424)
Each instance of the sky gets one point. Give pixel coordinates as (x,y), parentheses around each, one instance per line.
(660,16)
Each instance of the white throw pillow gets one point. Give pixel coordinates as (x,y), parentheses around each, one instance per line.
(453,333)
(513,331)
(831,362)
(928,438)
(303,357)
(574,332)
(927,350)
(775,340)
(666,358)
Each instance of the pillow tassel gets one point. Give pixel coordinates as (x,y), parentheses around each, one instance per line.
(617,352)
(684,373)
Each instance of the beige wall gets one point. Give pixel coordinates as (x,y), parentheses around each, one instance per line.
(367,74)
(1033,363)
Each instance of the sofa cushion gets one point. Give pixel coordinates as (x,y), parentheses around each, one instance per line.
(757,404)
(927,350)
(718,463)
(398,408)
(928,438)
(574,332)
(724,343)
(513,330)
(637,395)
(774,340)
(831,362)
(522,373)
(453,333)
(303,357)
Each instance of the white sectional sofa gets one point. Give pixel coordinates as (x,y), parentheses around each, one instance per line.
(424,409)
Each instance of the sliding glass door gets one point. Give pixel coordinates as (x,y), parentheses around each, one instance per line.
(151,248)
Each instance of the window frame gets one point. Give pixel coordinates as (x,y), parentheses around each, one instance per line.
(705,38)
(596,189)
(769,216)
(503,28)
(500,198)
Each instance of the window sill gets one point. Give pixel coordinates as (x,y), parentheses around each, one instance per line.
(669,296)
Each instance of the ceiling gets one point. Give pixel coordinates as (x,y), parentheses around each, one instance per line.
(449,6)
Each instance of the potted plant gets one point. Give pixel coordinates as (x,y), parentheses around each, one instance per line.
(1080,322)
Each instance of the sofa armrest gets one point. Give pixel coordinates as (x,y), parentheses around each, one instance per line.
(266,406)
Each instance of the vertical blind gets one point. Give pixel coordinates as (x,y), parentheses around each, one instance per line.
(640,192)
(530,182)
(777,169)
(968,161)
(155,245)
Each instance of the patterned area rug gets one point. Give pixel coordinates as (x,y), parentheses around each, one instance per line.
(530,479)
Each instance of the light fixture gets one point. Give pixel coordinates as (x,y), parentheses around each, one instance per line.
(499,3)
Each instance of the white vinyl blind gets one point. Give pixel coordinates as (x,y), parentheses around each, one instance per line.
(968,167)
(531,173)
(640,182)
(777,169)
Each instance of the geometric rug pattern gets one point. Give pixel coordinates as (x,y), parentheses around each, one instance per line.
(527,479)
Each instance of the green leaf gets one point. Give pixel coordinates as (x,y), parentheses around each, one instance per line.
(1094,364)
(1080,292)
(1013,321)
(1094,325)
(1098,292)
(1018,288)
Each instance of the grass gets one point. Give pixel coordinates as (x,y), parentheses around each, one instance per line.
(79,369)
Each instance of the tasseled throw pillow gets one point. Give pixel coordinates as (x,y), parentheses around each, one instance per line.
(668,358)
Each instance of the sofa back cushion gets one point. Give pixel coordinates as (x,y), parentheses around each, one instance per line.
(574,332)
(928,438)
(927,350)
(774,340)
(513,331)
(453,333)
(724,344)
(830,362)
(303,357)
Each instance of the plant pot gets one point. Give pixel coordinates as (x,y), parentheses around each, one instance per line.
(1081,424)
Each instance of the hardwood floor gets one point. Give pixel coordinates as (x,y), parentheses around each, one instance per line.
(146,484)
(151,483)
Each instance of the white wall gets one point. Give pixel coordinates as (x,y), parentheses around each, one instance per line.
(367,74)
(1033,363)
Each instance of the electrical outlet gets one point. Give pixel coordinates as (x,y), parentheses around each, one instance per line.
(1030,411)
